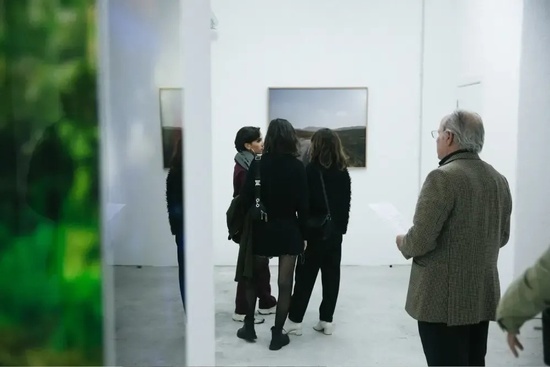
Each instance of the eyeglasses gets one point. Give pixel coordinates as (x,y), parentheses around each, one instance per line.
(435,133)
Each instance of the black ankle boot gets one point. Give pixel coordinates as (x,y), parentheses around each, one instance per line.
(247,332)
(278,339)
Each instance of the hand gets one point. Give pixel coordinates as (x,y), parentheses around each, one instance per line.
(514,344)
(305,245)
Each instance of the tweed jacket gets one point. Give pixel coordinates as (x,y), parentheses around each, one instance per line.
(462,219)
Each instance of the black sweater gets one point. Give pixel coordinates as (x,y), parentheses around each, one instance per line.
(338,189)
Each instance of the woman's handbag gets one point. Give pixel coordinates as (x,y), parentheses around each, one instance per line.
(320,227)
(258,211)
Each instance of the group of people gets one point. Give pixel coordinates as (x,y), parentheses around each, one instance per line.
(306,212)
(298,210)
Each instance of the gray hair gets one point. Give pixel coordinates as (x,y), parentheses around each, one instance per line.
(467,128)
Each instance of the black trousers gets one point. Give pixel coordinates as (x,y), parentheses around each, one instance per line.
(454,345)
(319,255)
(546,336)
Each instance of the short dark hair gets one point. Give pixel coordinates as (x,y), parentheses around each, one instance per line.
(281,138)
(247,134)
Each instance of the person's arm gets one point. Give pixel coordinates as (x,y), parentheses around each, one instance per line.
(526,297)
(239,178)
(347,200)
(432,210)
(302,197)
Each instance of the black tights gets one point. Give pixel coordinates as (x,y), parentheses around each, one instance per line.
(285,280)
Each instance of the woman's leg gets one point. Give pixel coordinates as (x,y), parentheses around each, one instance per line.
(330,277)
(241,302)
(286,275)
(247,332)
(181,266)
(263,289)
(306,274)
(286,278)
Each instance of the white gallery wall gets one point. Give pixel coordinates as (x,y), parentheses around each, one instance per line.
(412,55)
(308,43)
(532,207)
(144,55)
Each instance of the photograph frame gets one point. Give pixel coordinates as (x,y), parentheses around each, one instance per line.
(171,121)
(356,146)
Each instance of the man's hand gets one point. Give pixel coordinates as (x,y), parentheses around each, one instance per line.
(514,344)
(399,240)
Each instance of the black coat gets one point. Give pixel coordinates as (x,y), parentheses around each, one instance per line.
(174,199)
(338,189)
(285,197)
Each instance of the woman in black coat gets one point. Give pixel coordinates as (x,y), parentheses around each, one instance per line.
(328,167)
(283,187)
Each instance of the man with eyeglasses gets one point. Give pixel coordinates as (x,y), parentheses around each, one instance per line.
(462,219)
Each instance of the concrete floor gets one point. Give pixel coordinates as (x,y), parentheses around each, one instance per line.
(371,326)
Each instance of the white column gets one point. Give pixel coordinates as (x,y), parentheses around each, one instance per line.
(107,277)
(197,150)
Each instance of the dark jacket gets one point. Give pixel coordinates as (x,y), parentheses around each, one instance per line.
(239,177)
(284,195)
(174,199)
(245,259)
(338,189)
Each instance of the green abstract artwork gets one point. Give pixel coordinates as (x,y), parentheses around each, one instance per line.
(50,254)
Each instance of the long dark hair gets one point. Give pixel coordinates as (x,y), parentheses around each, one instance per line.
(281,138)
(176,162)
(327,150)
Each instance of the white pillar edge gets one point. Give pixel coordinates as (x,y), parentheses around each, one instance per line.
(197,163)
(107,275)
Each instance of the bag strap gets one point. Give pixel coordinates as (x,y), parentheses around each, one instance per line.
(257,181)
(324,192)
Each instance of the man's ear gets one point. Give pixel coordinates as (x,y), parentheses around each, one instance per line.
(450,138)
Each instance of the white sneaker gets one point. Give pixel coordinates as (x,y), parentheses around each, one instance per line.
(267,311)
(325,327)
(240,318)
(293,328)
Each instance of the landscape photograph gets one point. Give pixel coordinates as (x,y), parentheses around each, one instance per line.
(171,116)
(343,110)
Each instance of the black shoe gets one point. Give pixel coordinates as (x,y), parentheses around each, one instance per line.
(247,332)
(278,339)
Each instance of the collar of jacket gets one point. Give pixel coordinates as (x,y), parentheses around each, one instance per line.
(244,159)
(459,154)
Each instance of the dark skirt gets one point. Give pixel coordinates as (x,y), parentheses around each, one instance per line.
(278,237)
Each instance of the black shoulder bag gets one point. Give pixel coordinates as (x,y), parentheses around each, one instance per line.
(258,211)
(320,226)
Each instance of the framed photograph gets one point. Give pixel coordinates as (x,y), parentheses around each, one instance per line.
(344,110)
(171,121)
